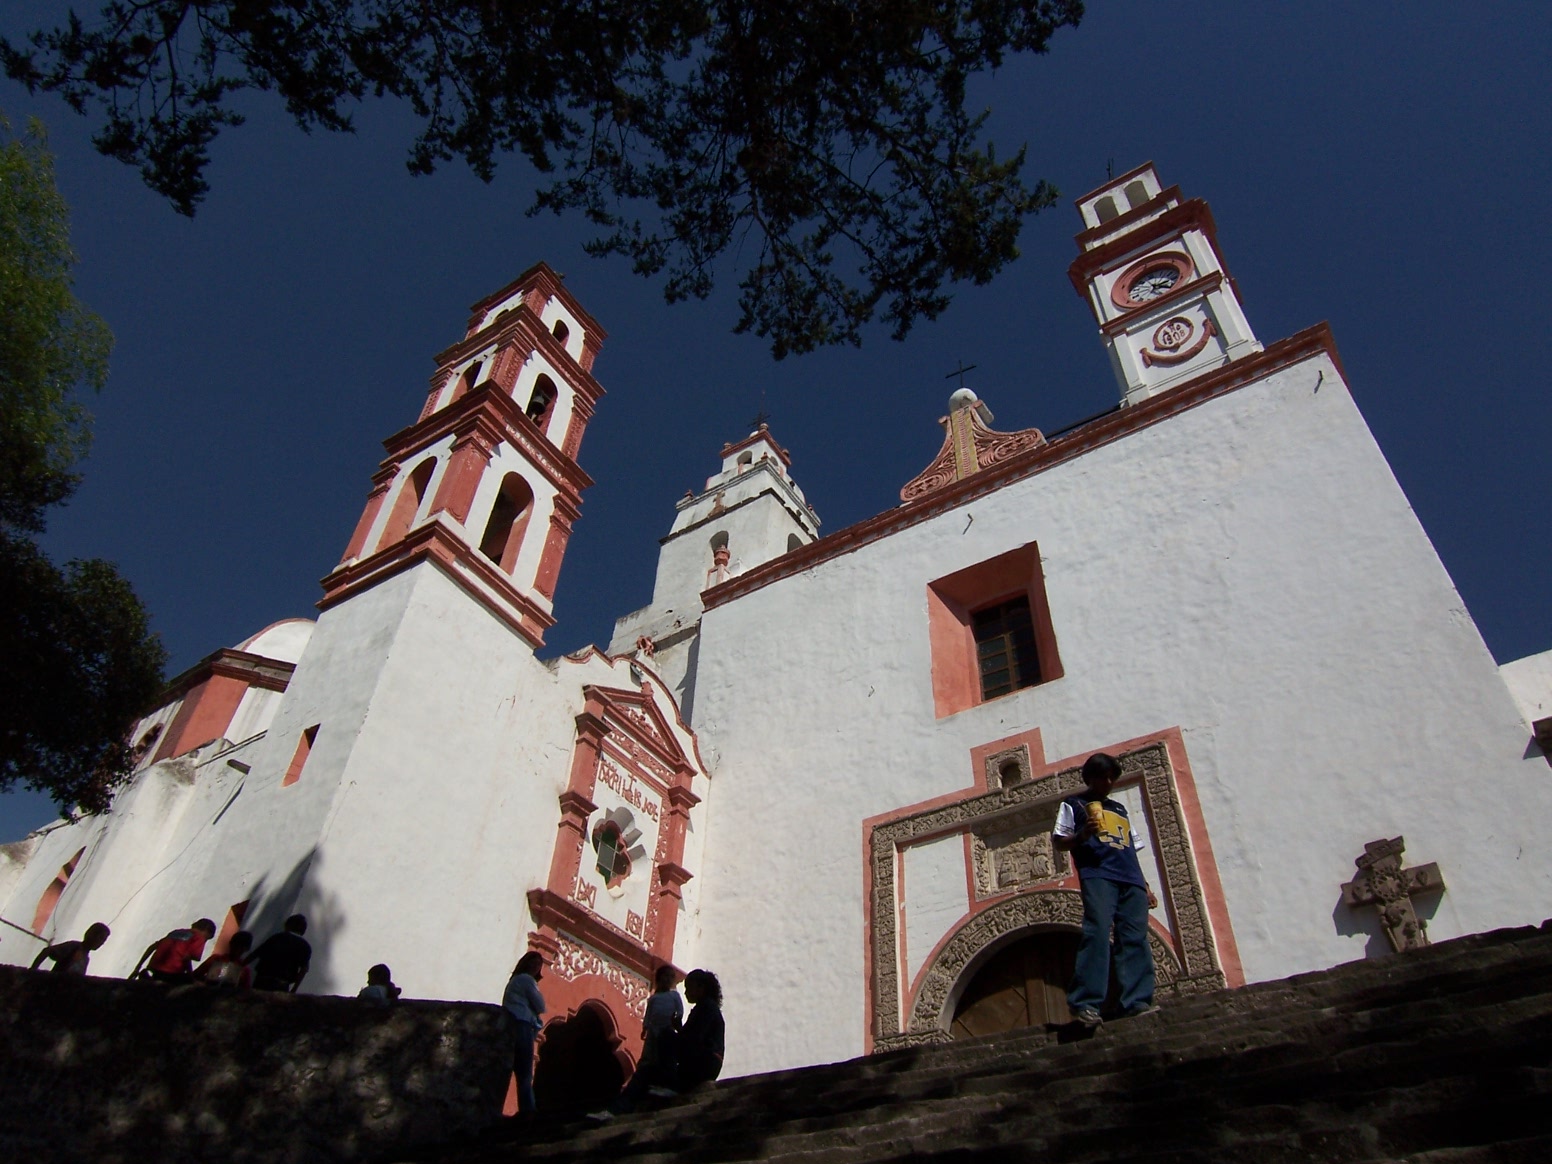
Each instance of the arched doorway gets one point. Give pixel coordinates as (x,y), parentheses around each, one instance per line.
(1024,984)
(579,1068)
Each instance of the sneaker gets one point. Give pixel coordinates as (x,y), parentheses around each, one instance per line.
(600,1117)
(1139,1011)
(1087,1016)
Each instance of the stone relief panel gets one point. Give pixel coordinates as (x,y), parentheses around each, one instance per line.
(1007,768)
(1009,827)
(574,960)
(1016,851)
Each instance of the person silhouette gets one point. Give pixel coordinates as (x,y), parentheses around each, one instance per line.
(73,956)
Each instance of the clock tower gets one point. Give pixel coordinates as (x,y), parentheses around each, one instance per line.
(1153,275)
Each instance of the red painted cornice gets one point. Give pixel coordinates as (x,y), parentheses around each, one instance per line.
(1104,430)
(1135,215)
(1201,286)
(505,421)
(254,670)
(435,543)
(1191,213)
(544,278)
(524,330)
(565,916)
(754,438)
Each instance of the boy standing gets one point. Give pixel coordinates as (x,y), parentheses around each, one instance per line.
(1098,834)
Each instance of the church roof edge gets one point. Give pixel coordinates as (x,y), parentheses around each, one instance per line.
(1074,442)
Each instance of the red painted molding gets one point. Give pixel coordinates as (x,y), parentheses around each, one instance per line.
(1128,219)
(499,417)
(1149,358)
(1185,269)
(522,329)
(374,503)
(552,911)
(433,542)
(543,278)
(206,713)
(1192,213)
(1097,433)
(1205,285)
(211,691)
(763,434)
(952,599)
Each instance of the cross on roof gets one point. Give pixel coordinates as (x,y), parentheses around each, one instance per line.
(960,372)
(759,419)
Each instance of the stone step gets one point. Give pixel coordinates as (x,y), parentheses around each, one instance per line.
(1037,1092)
(1438,1052)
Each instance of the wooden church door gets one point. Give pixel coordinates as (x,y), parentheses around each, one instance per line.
(1023,985)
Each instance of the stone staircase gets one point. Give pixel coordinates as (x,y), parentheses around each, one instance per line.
(1440,1056)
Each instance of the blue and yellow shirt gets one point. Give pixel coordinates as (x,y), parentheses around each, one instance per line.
(1112,853)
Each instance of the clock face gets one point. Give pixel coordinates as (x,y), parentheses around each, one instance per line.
(1151,278)
(1153,282)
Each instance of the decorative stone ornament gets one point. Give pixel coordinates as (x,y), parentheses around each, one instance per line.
(969,445)
(1384,884)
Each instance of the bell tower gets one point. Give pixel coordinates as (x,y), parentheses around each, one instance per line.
(486,483)
(1150,268)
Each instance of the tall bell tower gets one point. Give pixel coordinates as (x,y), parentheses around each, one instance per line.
(1156,281)
(486,482)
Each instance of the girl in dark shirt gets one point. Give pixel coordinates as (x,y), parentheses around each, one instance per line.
(701,1039)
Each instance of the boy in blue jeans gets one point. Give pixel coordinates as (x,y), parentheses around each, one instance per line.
(1098,834)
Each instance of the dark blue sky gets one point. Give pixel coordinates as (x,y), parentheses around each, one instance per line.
(1383,167)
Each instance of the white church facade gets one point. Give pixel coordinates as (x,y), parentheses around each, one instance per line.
(1219,581)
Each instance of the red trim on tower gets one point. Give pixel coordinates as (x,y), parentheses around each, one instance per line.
(544,279)
(475,574)
(498,416)
(1203,286)
(761,436)
(472,450)
(381,480)
(555,541)
(1193,213)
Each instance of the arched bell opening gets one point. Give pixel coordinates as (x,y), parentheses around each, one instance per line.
(508,522)
(581,1065)
(411,495)
(468,379)
(541,404)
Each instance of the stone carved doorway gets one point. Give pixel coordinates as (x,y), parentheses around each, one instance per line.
(1022,985)
(578,1067)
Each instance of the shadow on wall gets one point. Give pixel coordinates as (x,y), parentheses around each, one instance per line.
(1366,920)
(271,902)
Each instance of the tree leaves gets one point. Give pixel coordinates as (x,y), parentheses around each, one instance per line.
(821,148)
(80,661)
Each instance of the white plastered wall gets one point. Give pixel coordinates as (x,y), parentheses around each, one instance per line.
(1530,684)
(1248,571)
